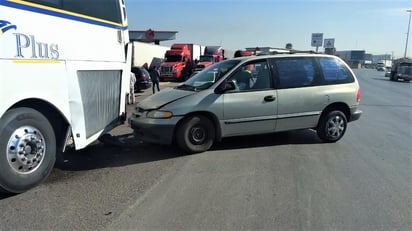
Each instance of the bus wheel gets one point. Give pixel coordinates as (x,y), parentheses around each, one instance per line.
(27,149)
(196,134)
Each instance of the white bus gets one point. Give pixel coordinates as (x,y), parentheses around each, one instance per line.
(64,75)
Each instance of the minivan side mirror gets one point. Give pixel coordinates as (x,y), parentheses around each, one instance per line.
(225,86)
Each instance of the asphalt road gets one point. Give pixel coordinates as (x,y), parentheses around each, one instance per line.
(285,181)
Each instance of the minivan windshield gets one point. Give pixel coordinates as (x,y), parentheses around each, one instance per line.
(208,76)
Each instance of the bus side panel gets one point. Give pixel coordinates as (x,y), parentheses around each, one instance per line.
(95,98)
(26,68)
(78,67)
(20,81)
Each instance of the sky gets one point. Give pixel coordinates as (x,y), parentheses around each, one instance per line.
(376,26)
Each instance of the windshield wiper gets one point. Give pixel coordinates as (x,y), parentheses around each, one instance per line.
(186,87)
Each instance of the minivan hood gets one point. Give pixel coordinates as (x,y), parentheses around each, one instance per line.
(163,97)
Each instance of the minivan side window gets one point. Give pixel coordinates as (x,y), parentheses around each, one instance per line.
(252,77)
(334,72)
(294,72)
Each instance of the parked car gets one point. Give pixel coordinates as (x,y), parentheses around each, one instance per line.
(388,74)
(143,80)
(380,67)
(252,95)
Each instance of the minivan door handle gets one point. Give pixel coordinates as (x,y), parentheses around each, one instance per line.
(269,98)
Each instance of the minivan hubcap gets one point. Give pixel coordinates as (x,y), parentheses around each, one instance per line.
(335,126)
(26,149)
(198,135)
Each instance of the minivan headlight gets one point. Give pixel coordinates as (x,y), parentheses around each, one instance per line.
(159,114)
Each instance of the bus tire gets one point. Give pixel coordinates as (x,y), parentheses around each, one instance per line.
(27,149)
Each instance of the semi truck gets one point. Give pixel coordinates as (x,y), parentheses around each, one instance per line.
(179,61)
(212,54)
(401,69)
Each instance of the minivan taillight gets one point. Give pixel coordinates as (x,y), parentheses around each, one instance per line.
(144,77)
(358,96)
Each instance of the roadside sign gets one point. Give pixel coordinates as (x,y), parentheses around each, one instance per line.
(317,39)
(329,43)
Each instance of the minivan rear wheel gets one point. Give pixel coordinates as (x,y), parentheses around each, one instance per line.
(332,126)
(195,134)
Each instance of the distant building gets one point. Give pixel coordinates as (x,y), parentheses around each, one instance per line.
(368,62)
(354,58)
(378,58)
(360,59)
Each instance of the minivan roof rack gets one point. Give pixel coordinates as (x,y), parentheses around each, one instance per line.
(286,52)
(297,51)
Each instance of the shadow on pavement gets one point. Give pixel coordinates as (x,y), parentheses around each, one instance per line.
(388,80)
(273,139)
(5,196)
(111,154)
(126,150)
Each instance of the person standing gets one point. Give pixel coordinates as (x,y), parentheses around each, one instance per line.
(155,76)
(131,96)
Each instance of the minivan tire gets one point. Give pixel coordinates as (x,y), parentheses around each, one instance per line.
(27,149)
(332,126)
(195,134)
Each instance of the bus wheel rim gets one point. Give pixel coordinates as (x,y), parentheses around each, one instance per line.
(26,149)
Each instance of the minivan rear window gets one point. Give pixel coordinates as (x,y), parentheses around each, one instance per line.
(334,71)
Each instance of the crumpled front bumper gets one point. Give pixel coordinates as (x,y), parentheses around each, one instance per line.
(157,131)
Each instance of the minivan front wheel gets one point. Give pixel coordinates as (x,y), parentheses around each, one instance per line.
(332,126)
(195,134)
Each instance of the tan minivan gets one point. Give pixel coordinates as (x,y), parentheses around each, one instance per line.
(252,95)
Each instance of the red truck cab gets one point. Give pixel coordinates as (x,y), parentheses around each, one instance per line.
(177,61)
(212,54)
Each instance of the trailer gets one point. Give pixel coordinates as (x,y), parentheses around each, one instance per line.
(147,55)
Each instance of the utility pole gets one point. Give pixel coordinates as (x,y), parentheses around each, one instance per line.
(407,34)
